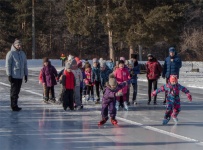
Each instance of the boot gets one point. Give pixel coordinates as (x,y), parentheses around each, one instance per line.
(103,121)
(125,105)
(114,121)
(148,103)
(16,108)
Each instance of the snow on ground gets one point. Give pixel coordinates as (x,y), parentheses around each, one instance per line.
(187,78)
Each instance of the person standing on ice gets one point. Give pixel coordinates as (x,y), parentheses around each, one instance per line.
(16,69)
(78,79)
(122,74)
(172,88)
(134,71)
(49,75)
(68,82)
(111,91)
(96,78)
(154,70)
(172,65)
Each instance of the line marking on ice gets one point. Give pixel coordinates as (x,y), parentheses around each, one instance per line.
(135,123)
(162,131)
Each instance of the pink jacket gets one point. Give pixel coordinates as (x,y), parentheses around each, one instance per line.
(122,75)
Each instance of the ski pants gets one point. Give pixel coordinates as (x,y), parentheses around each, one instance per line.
(108,106)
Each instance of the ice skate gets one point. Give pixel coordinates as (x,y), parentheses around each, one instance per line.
(97,102)
(103,121)
(165,121)
(175,120)
(92,98)
(125,106)
(87,98)
(134,102)
(114,121)
(117,105)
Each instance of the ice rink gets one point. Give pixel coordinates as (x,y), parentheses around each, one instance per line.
(42,126)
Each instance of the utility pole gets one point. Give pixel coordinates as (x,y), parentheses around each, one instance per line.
(33,29)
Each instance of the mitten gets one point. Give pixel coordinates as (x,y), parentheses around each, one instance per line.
(189,96)
(25,79)
(86,82)
(119,94)
(153,94)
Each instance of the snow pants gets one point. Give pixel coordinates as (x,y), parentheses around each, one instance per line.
(172,109)
(67,99)
(108,106)
(77,95)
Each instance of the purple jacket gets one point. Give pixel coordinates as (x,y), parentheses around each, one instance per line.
(109,94)
(49,75)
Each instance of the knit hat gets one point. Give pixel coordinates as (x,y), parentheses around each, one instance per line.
(95,60)
(126,62)
(122,58)
(121,62)
(150,55)
(172,49)
(77,59)
(46,59)
(100,60)
(68,65)
(17,42)
(70,57)
(173,78)
(134,56)
(102,64)
(112,80)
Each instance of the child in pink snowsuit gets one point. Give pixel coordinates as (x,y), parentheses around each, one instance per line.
(173,100)
(122,74)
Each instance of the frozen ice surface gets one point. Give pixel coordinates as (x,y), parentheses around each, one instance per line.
(40,126)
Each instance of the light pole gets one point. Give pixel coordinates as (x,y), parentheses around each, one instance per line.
(33,29)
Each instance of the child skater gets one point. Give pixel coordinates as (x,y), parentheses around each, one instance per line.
(122,74)
(109,99)
(89,84)
(68,82)
(173,100)
(49,75)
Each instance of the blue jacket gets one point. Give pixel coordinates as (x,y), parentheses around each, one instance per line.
(172,67)
(133,74)
(105,76)
(16,63)
(96,74)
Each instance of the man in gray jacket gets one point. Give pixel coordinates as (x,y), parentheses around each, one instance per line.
(16,69)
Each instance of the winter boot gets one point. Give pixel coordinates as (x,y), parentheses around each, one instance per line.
(103,121)
(125,106)
(114,121)
(175,120)
(165,121)
(16,108)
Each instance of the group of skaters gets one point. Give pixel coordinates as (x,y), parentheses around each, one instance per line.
(78,79)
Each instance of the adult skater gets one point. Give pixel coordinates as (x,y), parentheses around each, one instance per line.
(16,69)
(172,66)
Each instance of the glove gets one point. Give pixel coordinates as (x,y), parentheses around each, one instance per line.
(25,79)
(119,94)
(189,97)
(153,94)
(10,79)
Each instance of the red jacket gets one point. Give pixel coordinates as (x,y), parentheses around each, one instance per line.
(154,69)
(69,80)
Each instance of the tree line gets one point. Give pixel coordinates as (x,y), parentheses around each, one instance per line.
(104,28)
